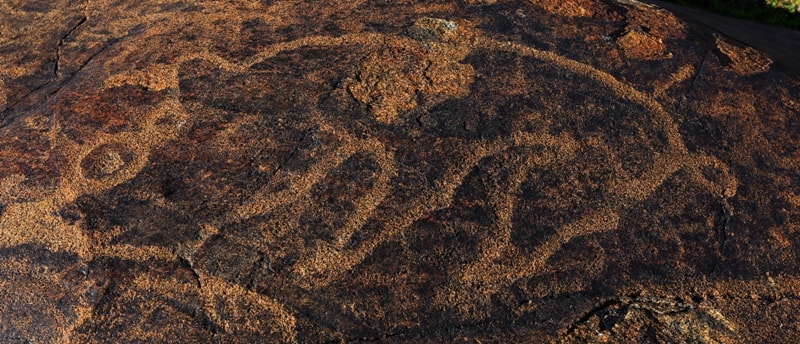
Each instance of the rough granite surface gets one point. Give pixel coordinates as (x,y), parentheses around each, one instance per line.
(392,171)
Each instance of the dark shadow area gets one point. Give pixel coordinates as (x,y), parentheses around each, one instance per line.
(781,44)
(774,12)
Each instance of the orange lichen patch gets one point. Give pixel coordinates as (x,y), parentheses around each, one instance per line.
(724,104)
(392,79)
(12,72)
(676,78)
(636,43)
(156,77)
(479,2)
(778,238)
(743,60)
(10,187)
(659,22)
(238,310)
(793,199)
(568,8)
(33,223)
(3,100)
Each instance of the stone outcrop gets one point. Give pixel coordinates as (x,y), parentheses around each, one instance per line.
(438,171)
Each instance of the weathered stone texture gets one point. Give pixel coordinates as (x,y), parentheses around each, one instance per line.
(438,171)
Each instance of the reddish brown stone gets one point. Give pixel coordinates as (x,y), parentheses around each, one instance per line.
(493,171)
(637,43)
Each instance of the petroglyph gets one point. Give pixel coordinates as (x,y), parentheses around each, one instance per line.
(416,70)
(392,80)
(99,165)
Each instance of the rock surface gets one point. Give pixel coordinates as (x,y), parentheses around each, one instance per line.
(439,171)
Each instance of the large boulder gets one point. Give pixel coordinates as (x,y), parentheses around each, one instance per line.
(438,171)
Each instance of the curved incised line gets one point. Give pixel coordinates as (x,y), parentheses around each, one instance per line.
(330,261)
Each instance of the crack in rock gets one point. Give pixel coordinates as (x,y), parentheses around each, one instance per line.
(61,43)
